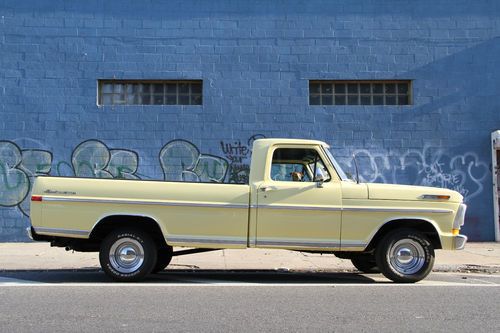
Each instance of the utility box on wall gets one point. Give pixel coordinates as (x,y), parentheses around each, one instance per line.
(495,167)
(495,139)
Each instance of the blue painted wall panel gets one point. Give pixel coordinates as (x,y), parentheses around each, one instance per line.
(255,59)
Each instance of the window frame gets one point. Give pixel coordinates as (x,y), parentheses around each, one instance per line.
(124,82)
(359,94)
(334,177)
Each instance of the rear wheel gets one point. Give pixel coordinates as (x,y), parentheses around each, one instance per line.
(127,255)
(365,263)
(405,256)
(164,256)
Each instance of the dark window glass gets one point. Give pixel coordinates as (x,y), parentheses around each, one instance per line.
(403,100)
(364,88)
(195,99)
(314,88)
(158,88)
(184,99)
(352,100)
(171,100)
(327,99)
(158,99)
(146,100)
(390,88)
(378,88)
(390,100)
(340,88)
(171,88)
(352,88)
(402,88)
(315,100)
(196,89)
(378,100)
(136,92)
(183,88)
(365,100)
(326,89)
(107,88)
(340,99)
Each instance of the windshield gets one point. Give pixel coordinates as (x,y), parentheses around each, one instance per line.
(337,167)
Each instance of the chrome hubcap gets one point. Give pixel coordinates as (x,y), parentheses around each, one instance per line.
(407,256)
(126,255)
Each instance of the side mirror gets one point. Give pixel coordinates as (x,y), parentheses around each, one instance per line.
(319,178)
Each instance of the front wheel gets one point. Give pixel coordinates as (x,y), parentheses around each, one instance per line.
(405,256)
(127,255)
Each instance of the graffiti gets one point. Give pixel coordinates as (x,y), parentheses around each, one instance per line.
(239,154)
(18,167)
(92,158)
(182,161)
(464,173)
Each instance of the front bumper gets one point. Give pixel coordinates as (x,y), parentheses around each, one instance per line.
(459,242)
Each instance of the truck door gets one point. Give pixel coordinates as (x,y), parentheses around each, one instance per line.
(299,202)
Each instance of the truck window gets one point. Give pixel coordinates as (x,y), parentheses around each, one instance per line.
(297,164)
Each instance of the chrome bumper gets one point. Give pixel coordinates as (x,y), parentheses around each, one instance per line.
(460,241)
(28,232)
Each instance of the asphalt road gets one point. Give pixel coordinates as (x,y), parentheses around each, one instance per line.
(266,301)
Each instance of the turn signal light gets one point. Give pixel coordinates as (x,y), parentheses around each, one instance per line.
(36,198)
(455,232)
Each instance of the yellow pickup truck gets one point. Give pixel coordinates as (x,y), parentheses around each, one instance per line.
(297,198)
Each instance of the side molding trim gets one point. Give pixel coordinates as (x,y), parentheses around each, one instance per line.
(225,241)
(144,202)
(69,232)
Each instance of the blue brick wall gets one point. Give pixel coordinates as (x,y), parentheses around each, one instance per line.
(255,59)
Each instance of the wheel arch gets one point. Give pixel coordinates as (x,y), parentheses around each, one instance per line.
(111,222)
(422,225)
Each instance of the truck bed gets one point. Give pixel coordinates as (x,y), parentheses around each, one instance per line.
(188,214)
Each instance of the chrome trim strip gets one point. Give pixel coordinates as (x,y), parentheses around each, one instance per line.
(245,206)
(28,232)
(290,207)
(460,217)
(352,244)
(434,197)
(178,239)
(395,210)
(61,231)
(460,241)
(143,202)
(297,244)
(358,209)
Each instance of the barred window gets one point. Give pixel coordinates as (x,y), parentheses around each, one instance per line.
(360,92)
(147,92)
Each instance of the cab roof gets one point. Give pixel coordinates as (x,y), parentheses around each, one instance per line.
(274,141)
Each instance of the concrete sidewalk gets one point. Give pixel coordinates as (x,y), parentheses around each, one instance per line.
(476,257)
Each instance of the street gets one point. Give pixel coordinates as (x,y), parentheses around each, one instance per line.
(244,300)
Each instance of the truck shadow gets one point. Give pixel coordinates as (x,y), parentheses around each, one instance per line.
(177,276)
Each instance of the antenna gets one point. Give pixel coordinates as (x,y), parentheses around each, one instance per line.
(356,165)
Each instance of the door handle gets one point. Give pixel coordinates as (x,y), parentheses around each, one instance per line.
(268,188)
